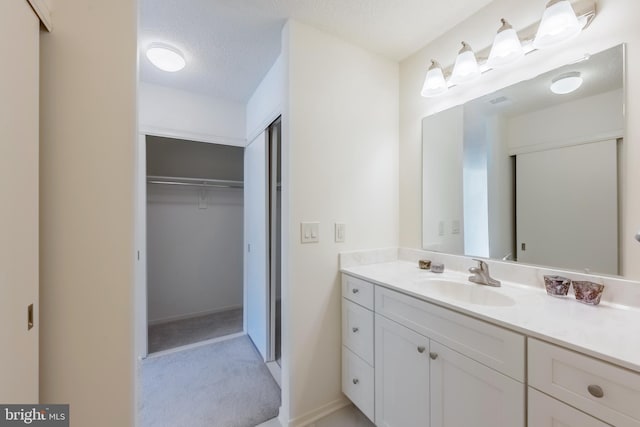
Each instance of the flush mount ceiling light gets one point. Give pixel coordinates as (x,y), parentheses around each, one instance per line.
(434,83)
(559,23)
(566,83)
(165,57)
(506,47)
(466,67)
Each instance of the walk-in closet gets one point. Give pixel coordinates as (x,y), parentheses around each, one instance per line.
(194,242)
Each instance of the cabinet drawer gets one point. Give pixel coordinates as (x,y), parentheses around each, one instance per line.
(576,379)
(357,382)
(357,330)
(545,411)
(358,291)
(490,345)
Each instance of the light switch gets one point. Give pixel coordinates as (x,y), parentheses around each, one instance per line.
(309,232)
(339,232)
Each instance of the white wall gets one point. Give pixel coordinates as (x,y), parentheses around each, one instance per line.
(194,255)
(267,102)
(87,140)
(175,113)
(615,23)
(340,159)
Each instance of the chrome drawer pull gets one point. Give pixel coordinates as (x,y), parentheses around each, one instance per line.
(356,381)
(596,391)
(355,330)
(355,290)
(433,356)
(421,349)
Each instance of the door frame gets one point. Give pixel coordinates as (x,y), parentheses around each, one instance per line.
(141,348)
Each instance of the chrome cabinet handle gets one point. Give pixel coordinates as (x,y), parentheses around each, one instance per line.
(355,290)
(433,355)
(355,330)
(355,381)
(596,391)
(421,349)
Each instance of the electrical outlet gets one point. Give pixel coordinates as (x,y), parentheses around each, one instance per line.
(339,232)
(441,228)
(455,226)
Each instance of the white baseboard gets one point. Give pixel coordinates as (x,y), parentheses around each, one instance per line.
(192,315)
(317,414)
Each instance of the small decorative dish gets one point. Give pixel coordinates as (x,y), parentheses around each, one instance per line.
(424,264)
(557,286)
(588,292)
(437,267)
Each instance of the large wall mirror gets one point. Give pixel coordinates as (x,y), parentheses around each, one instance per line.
(528,175)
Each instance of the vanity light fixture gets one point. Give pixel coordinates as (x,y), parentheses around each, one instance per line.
(559,23)
(506,47)
(466,68)
(434,83)
(165,57)
(566,83)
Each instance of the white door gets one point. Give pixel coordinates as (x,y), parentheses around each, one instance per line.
(19,124)
(467,393)
(256,268)
(567,206)
(401,376)
(545,411)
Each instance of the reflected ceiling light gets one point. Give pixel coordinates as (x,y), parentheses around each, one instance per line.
(566,83)
(506,47)
(165,57)
(466,67)
(434,83)
(559,23)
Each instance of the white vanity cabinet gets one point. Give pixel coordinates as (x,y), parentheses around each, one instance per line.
(401,375)
(434,367)
(608,392)
(357,343)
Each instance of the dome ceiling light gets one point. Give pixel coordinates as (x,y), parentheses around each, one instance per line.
(165,57)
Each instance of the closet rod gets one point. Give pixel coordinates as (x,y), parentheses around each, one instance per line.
(194,182)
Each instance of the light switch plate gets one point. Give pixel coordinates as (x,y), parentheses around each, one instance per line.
(309,232)
(339,232)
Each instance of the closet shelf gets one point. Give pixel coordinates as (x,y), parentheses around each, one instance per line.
(194,182)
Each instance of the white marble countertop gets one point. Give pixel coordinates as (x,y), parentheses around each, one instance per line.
(608,332)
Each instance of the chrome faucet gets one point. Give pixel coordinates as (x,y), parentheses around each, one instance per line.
(481,274)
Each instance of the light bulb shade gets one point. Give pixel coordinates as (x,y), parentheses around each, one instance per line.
(506,47)
(466,68)
(566,83)
(559,23)
(435,83)
(166,57)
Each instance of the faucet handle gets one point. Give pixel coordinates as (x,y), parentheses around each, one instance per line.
(482,265)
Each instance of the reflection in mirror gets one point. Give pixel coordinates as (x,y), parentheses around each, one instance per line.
(529,175)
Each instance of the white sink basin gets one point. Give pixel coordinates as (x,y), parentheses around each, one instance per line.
(470,293)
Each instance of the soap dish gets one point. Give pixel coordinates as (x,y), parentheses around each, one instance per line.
(557,286)
(588,292)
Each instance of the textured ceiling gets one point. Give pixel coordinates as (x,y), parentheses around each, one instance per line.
(230,44)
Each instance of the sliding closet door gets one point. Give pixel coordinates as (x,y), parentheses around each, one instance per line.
(256,271)
(19,124)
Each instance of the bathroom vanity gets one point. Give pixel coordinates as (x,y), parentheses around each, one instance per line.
(425,349)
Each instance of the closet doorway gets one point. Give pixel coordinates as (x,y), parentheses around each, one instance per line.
(194,216)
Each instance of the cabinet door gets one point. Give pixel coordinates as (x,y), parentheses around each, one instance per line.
(401,376)
(467,393)
(545,411)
